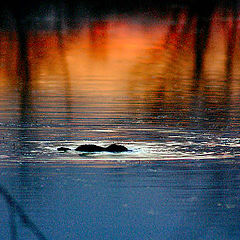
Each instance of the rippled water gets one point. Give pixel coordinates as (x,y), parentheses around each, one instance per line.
(135,80)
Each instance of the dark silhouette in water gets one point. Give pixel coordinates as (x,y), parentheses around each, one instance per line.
(63,149)
(90,148)
(94,148)
(116,148)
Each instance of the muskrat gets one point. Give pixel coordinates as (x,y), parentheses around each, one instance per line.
(94,148)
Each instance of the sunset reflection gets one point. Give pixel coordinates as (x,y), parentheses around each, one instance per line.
(125,59)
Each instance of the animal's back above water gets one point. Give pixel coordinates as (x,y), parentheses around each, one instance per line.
(90,148)
(95,148)
(115,148)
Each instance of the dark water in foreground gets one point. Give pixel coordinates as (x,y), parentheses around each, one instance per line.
(151,83)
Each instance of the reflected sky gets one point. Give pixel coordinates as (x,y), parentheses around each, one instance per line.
(125,71)
(124,78)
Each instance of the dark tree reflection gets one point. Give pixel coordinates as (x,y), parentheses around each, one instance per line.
(63,61)
(209,108)
(204,17)
(16,210)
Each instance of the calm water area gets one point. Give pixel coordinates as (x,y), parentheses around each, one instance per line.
(166,86)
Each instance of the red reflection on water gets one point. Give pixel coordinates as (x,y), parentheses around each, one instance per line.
(140,58)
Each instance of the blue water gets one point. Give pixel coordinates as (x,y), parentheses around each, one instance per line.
(155,200)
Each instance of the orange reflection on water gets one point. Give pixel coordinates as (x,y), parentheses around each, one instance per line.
(8,58)
(127,57)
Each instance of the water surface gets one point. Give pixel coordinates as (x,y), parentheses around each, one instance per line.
(148,82)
